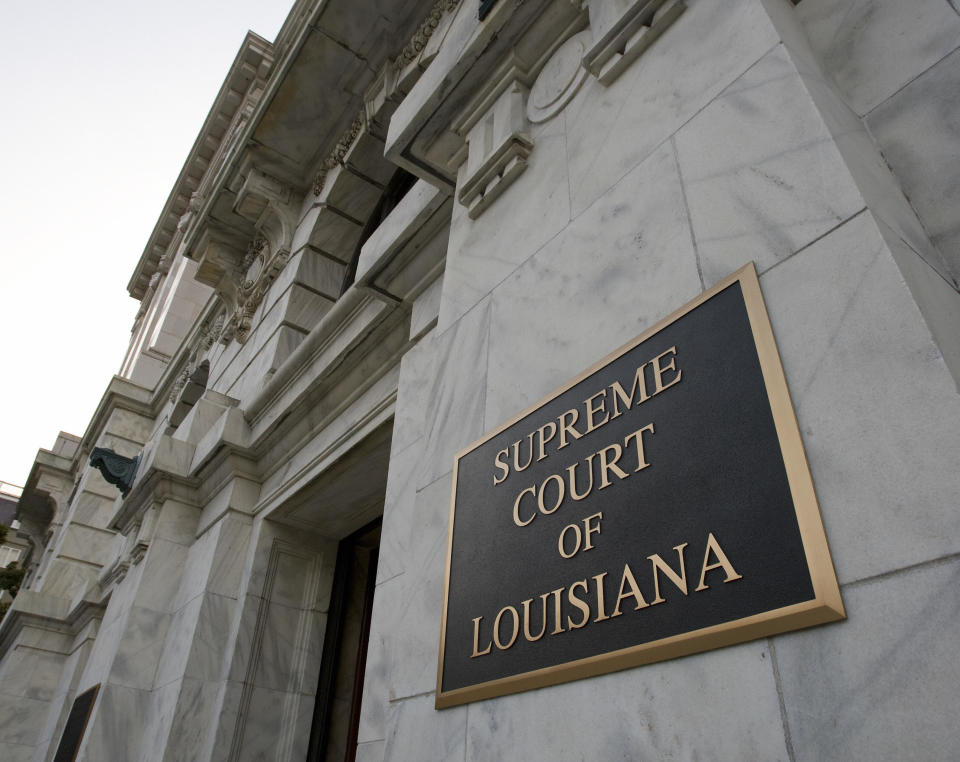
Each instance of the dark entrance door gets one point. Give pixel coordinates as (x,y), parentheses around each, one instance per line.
(336,713)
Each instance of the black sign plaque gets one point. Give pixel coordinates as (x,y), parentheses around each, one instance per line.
(658,505)
(76,725)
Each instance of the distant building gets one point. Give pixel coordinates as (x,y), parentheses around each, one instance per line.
(401,230)
(13,548)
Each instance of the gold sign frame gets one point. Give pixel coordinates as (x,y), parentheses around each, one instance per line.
(826,605)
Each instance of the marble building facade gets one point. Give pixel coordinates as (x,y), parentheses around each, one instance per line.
(401,225)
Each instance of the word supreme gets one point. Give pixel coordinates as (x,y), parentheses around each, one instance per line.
(576,481)
(662,371)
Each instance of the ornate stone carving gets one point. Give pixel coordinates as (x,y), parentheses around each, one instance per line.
(410,51)
(210,333)
(242,276)
(559,80)
(263,266)
(193,207)
(148,296)
(424,32)
(339,151)
(252,264)
(179,384)
(116,469)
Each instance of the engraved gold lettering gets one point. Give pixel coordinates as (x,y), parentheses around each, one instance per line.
(634,592)
(581,598)
(659,565)
(560,493)
(544,438)
(659,369)
(526,618)
(601,606)
(638,436)
(496,628)
(572,478)
(722,562)
(516,454)
(639,384)
(665,373)
(607,465)
(592,410)
(476,640)
(566,427)
(516,507)
(557,621)
(588,529)
(560,543)
(498,462)
(579,603)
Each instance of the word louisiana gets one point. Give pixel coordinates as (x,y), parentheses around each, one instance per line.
(586,600)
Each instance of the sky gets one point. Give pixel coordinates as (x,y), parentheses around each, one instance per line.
(103,101)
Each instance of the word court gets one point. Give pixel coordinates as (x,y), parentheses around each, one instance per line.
(596,415)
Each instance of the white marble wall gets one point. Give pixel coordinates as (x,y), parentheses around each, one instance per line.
(65,692)
(139,627)
(714,149)
(275,645)
(210,647)
(29,681)
(896,65)
(746,132)
(44,662)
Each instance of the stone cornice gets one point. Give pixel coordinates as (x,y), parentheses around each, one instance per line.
(331,129)
(278,72)
(254,59)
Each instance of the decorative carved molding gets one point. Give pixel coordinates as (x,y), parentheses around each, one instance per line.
(179,384)
(214,331)
(242,274)
(495,121)
(193,208)
(209,334)
(263,268)
(116,469)
(559,80)
(254,254)
(148,296)
(424,32)
(340,150)
(414,47)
